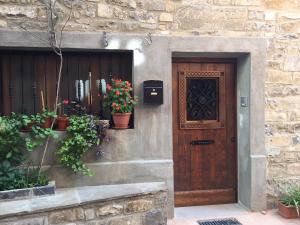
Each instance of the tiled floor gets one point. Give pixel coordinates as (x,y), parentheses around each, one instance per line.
(190,215)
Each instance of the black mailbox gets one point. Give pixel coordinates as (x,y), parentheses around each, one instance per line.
(153,92)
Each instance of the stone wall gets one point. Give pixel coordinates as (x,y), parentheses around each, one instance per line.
(134,207)
(276,20)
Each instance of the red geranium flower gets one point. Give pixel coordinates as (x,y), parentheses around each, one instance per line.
(117,93)
(66,102)
(108,87)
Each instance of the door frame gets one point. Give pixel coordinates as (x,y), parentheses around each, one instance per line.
(208,193)
(251,159)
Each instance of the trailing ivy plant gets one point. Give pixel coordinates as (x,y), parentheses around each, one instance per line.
(38,134)
(82,135)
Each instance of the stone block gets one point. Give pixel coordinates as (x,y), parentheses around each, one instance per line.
(211,18)
(247,2)
(138,206)
(270,15)
(276,170)
(3,23)
(14,10)
(282,4)
(296,140)
(290,157)
(166,17)
(89,214)
(154,218)
(104,11)
(273,116)
(124,3)
(279,141)
(277,76)
(125,220)
(110,210)
(292,63)
(296,78)
(143,16)
(157,5)
(273,152)
(80,215)
(256,15)
(62,216)
(289,15)
(222,2)
(293,169)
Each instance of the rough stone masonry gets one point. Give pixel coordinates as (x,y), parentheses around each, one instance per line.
(276,20)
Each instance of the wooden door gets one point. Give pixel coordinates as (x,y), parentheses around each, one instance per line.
(204,131)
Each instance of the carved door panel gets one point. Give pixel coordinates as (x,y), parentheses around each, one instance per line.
(204,132)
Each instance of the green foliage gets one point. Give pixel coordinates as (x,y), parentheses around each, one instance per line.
(292,198)
(17,178)
(11,141)
(119,98)
(12,146)
(38,134)
(81,137)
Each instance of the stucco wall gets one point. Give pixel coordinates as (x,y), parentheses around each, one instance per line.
(276,20)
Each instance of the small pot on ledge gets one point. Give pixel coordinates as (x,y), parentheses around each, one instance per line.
(121,120)
(28,127)
(288,212)
(47,123)
(62,123)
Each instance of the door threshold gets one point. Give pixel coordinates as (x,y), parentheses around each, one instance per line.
(210,211)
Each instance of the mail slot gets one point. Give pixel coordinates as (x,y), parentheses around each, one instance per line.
(153,92)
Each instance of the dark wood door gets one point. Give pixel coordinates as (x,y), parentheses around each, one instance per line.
(204,131)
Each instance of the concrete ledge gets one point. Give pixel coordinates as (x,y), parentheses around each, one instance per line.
(72,197)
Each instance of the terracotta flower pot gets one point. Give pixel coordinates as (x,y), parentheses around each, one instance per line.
(27,128)
(47,123)
(288,212)
(62,122)
(121,120)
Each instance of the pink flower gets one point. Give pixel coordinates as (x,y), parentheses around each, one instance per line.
(117,93)
(108,87)
(66,102)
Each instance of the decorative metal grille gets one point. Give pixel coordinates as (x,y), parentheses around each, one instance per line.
(230,221)
(202,99)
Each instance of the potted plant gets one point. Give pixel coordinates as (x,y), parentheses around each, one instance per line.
(120,101)
(27,122)
(289,204)
(63,119)
(46,118)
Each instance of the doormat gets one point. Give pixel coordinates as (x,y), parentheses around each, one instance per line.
(229,221)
